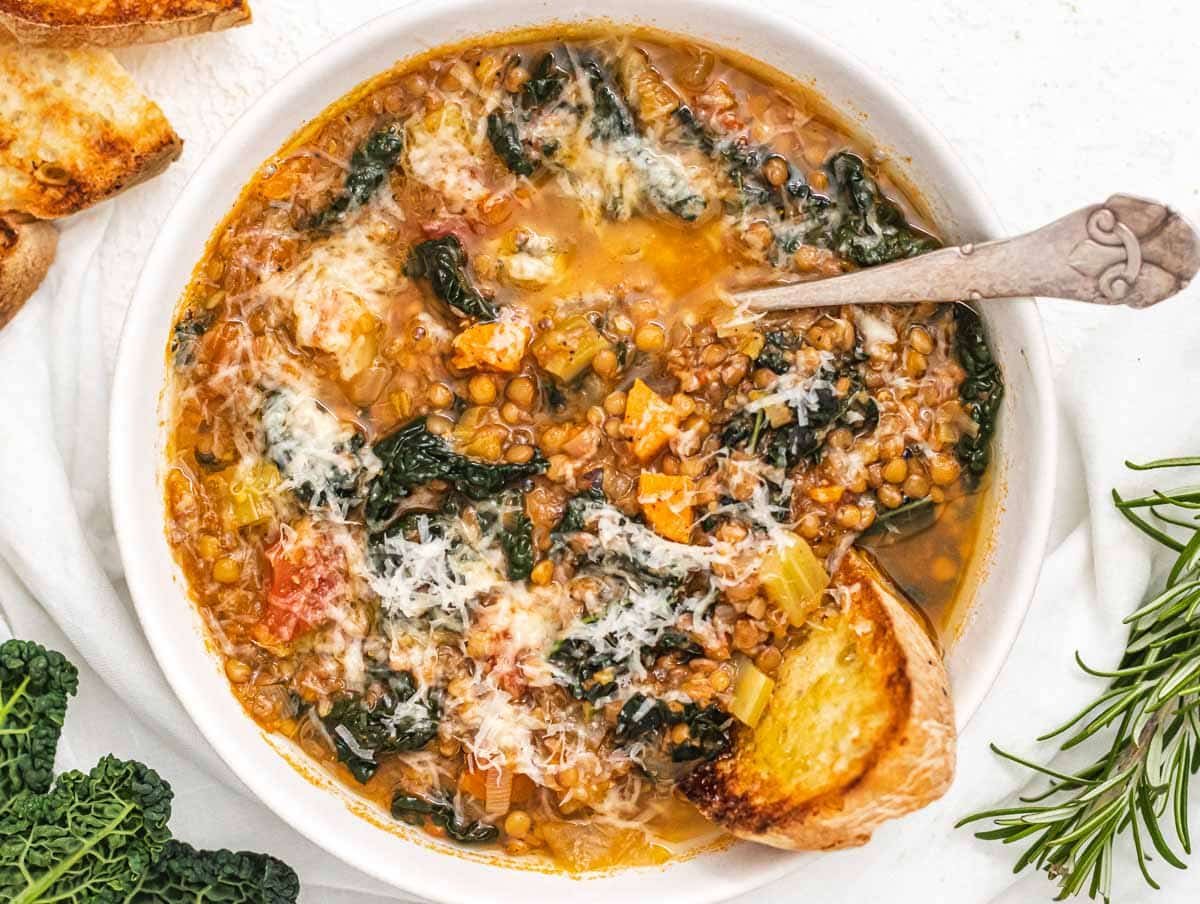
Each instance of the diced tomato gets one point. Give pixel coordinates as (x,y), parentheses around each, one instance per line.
(307,582)
(457,226)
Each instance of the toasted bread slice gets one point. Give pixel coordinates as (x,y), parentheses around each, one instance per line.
(74,130)
(26,252)
(859,728)
(116,23)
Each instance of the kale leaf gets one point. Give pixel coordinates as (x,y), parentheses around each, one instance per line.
(183,873)
(90,838)
(363,732)
(441,812)
(443,261)
(412,457)
(34,686)
(872,228)
(545,83)
(773,355)
(708,726)
(505,138)
(611,116)
(981,391)
(369,167)
(516,539)
(579,660)
(544,86)
(575,512)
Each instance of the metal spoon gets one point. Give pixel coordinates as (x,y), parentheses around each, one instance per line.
(1125,251)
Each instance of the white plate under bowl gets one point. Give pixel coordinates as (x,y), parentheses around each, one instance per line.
(1006,566)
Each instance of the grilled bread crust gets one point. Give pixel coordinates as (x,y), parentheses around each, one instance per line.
(859,729)
(116,23)
(26,252)
(74,130)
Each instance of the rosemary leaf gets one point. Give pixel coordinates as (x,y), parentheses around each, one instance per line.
(1137,786)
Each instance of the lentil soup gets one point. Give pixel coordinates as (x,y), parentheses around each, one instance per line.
(482,480)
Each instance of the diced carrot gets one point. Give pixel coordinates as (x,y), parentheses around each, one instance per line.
(499,345)
(666,502)
(651,420)
(474,783)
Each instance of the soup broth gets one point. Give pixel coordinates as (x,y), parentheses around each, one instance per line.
(476,466)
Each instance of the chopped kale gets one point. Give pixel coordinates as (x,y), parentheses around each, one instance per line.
(611,116)
(544,86)
(546,82)
(675,641)
(774,351)
(579,660)
(516,537)
(708,726)
(369,167)
(412,457)
(506,142)
(186,335)
(872,228)
(577,507)
(744,164)
(981,392)
(441,812)
(443,261)
(364,730)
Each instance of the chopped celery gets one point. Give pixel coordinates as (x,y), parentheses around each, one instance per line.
(751,692)
(568,349)
(794,577)
(251,492)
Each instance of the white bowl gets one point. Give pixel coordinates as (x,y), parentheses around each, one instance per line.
(1006,566)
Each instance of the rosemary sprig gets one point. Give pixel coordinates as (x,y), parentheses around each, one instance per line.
(1150,716)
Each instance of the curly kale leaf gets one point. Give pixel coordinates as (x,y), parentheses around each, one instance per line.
(744,164)
(412,457)
(708,726)
(443,261)
(578,659)
(34,686)
(183,873)
(89,840)
(505,138)
(981,391)
(575,513)
(544,86)
(611,116)
(873,229)
(390,722)
(545,83)
(441,812)
(516,539)
(369,167)
(773,355)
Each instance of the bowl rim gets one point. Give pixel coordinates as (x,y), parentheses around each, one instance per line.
(128,509)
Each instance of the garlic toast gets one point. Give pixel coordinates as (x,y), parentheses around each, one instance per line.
(859,728)
(26,252)
(116,23)
(74,130)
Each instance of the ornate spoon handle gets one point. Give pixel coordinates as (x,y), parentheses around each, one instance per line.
(1125,251)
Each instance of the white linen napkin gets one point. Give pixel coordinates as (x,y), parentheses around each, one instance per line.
(1123,380)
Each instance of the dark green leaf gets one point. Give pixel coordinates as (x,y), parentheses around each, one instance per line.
(443,261)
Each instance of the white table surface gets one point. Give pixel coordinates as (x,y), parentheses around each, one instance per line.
(1052,104)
